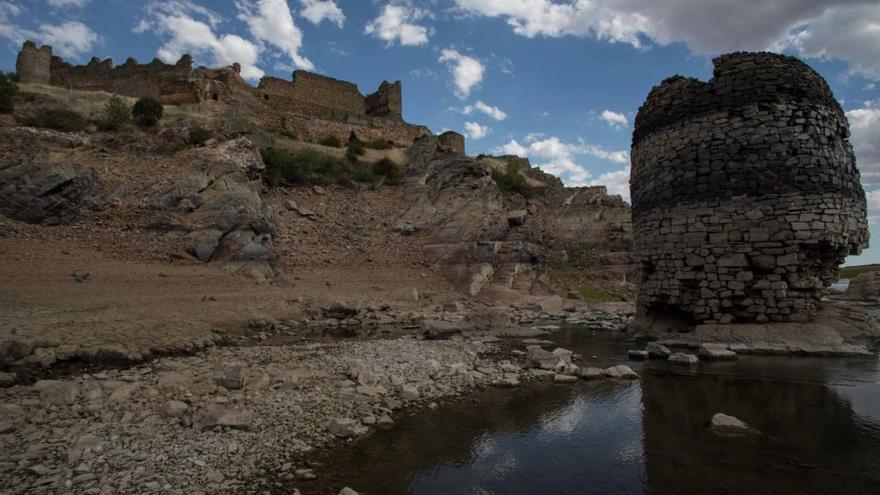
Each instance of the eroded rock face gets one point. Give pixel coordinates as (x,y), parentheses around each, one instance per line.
(746,196)
(864,286)
(46,190)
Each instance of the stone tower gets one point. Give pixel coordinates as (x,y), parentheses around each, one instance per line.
(745,192)
(386,102)
(33,65)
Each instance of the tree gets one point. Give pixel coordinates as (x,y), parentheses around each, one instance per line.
(115,114)
(147,111)
(7,92)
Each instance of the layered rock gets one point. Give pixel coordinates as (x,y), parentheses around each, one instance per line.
(746,195)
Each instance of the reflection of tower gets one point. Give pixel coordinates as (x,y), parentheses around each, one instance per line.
(33,65)
(811,442)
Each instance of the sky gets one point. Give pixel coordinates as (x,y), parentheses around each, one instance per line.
(558,81)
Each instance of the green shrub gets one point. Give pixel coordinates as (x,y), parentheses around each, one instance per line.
(60,119)
(512,181)
(354,149)
(379,144)
(306,166)
(115,115)
(199,135)
(147,111)
(331,141)
(8,88)
(388,169)
(595,294)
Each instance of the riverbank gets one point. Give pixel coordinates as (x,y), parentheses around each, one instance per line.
(217,421)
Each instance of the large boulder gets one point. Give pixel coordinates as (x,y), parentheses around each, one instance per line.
(864,286)
(47,190)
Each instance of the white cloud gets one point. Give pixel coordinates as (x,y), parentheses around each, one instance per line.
(614,119)
(840,29)
(864,125)
(873,205)
(559,158)
(467,71)
(476,131)
(270,21)
(395,23)
(70,39)
(316,11)
(67,3)
(479,106)
(189,28)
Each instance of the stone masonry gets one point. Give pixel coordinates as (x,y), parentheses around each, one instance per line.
(746,196)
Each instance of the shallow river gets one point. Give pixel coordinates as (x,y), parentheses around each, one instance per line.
(819,418)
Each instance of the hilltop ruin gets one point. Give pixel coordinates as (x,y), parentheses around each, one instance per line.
(746,196)
(310,105)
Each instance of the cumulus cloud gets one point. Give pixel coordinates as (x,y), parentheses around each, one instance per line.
(492,112)
(840,29)
(466,71)
(396,23)
(476,131)
(67,3)
(865,127)
(559,158)
(316,11)
(873,205)
(70,39)
(190,28)
(271,22)
(614,119)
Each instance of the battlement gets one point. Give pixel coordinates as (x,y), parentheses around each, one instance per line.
(174,84)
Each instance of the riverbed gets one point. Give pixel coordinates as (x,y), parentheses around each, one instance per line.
(818,418)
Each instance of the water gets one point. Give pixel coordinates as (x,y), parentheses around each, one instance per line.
(820,420)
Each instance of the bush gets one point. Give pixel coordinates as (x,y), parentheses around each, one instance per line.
(354,150)
(512,181)
(147,111)
(388,169)
(331,141)
(306,166)
(59,119)
(8,88)
(379,144)
(199,135)
(115,115)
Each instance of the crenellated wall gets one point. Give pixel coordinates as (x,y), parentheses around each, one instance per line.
(746,196)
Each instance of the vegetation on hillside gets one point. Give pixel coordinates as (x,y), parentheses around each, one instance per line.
(115,115)
(849,272)
(59,119)
(8,89)
(147,111)
(511,181)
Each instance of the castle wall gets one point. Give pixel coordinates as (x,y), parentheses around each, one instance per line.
(454,140)
(746,197)
(386,102)
(316,89)
(171,84)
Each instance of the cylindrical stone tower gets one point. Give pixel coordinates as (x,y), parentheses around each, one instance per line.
(745,193)
(33,65)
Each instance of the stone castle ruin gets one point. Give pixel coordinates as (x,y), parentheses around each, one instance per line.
(745,192)
(310,105)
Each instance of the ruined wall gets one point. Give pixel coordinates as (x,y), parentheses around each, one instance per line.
(746,197)
(386,102)
(453,140)
(33,65)
(171,84)
(316,89)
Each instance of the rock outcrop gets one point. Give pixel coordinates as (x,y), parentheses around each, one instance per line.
(864,286)
(746,195)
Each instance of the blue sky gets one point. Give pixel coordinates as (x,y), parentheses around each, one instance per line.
(556,80)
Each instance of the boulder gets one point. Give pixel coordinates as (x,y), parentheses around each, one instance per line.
(517,218)
(173,380)
(590,373)
(536,357)
(724,424)
(174,409)
(620,371)
(658,351)
(345,427)
(864,286)
(683,359)
(47,190)
(409,392)
(564,378)
(56,392)
(716,352)
(637,355)
(214,415)
(229,376)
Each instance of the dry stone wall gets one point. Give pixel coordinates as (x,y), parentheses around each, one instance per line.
(746,196)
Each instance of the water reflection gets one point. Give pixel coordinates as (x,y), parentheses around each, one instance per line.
(820,419)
